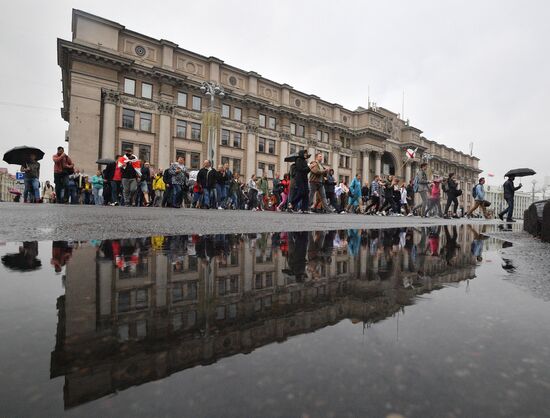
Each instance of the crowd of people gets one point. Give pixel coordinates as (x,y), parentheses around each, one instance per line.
(308,187)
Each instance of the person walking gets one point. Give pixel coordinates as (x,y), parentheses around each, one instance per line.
(145,183)
(48,192)
(374,195)
(317,172)
(404,200)
(263,190)
(300,197)
(509,192)
(62,167)
(97,188)
(285,186)
(450,186)
(435,198)
(158,187)
(31,174)
(422,187)
(130,167)
(206,177)
(179,174)
(354,195)
(252,193)
(479,199)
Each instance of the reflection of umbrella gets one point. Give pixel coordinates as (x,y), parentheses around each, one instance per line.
(105,161)
(520,172)
(14,191)
(25,259)
(291,158)
(21,155)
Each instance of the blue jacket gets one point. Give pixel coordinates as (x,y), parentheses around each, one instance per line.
(480,192)
(355,188)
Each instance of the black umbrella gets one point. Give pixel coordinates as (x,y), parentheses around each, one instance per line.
(105,161)
(291,158)
(520,172)
(21,155)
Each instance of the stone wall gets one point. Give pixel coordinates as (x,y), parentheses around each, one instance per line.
(537,220)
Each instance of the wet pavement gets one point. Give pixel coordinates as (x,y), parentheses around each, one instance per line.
(409,322)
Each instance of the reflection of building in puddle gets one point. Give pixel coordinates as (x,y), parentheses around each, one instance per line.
(136,310)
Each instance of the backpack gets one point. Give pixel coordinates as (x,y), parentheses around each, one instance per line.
(474,191)
(167,177)
(415,184)
(445,187)
(292,171)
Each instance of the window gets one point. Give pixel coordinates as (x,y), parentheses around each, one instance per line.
(272,123)
(271,146)
(236,165)
(261,169)
(145,121)
(197,103)
(261,120)
(128,117)
(196,131)
(226,110)
(270,170)
(325,137)
(295,148)
(319,135)
(293,129)
(182,99)
(141,298)
(237,113)
(147,90)
(325,157)
(124,301)
(225,160)
(225,137)
(195,163)
(345,161)
(237,139)
(126,145)
(180,153)
(129,86)
(301,130)
(261,144)
(181,128)
(145,153)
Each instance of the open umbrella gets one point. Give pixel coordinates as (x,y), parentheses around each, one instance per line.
(21,155)
(14,191)
(291,158)
(520,172)
(105,161)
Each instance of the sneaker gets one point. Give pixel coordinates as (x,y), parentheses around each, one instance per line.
(410,214)
(501,216)
(220,208)
(343,212)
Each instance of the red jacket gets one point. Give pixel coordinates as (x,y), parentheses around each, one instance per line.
(60,162)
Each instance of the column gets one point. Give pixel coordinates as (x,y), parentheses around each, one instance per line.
(378,163)
(283,152)
(250,150)
(366,166)
(165,110)
(408,172)
(335,161)
(353,165)
(108,137)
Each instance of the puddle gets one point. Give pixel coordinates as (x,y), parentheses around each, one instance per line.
(410,321)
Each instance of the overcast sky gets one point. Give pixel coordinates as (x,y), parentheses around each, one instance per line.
(472,71)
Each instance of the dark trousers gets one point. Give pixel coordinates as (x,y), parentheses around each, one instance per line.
(374,202)
(115,190)
(61,187)
(300,197)
(451,199)
(509,211)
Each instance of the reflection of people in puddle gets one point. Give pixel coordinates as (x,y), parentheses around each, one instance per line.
(297,248)
(433,241)
(25,259)
(477,243)
(61,254)
(451,245)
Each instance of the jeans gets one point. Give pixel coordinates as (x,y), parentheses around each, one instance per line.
(73,193)
(451,199)
(98,196)
(509,211)
(115,190)
(176,195)
(220,194)
(32,190)
(424,196)
(209,197)
(129,189)
(61,187)
(314,188)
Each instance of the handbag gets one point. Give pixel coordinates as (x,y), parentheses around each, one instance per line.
(486,203)
(458,193)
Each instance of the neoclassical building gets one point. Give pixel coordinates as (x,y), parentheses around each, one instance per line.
(124,89)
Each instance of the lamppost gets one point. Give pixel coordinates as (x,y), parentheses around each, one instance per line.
(212,90)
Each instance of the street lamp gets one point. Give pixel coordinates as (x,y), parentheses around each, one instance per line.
(212,90)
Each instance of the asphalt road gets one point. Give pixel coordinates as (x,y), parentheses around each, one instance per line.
(20,221)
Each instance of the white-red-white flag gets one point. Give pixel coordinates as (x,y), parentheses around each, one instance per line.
(411,153)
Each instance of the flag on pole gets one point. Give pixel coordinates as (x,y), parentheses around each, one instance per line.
(411,153)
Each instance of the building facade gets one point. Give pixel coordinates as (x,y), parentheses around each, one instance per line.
(124,89)
(495,195)
(7,182)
